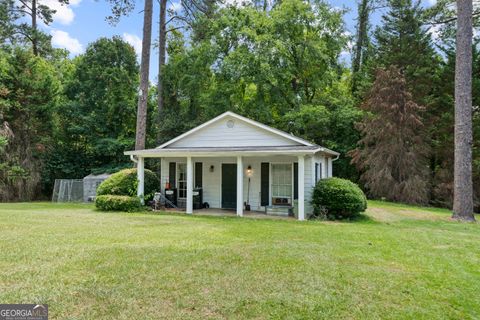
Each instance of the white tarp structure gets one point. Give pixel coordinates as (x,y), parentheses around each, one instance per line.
(90,185)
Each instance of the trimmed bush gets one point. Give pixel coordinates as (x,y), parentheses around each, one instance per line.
(124,183)
(118,203)
(338,198)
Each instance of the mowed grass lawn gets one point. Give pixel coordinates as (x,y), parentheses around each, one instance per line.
(399,263)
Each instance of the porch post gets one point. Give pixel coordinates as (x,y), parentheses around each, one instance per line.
(141,178)
(330,167)
(189,185)
(239,186)
(301,187)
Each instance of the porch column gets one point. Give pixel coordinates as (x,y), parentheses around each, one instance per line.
(239,186)
(141,178)
(330,167)
(301,188)
(189,185)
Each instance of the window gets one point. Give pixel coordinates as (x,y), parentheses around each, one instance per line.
(318,171)
(282,180)
(182,180)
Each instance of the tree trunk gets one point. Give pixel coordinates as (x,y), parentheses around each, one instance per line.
(144,71)
(463,188)
(34,27)
(161,59)
(363,15)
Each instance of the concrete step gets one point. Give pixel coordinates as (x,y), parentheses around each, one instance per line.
(278,210)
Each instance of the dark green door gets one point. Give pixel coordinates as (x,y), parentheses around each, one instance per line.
(229,186)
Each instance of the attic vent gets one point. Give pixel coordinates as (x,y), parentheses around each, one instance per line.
(230,123)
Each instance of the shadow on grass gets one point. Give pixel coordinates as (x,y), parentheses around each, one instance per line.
(359,218)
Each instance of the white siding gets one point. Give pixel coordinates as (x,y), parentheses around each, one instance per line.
(242,134)
(309,183)
(325,167)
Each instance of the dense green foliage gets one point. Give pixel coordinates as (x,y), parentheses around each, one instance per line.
(124,183)
(96,117)
(338,198)
(29,92)
(117,203)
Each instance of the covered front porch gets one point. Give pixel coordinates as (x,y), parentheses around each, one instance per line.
(229,183)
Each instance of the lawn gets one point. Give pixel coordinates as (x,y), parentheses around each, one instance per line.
(399,262)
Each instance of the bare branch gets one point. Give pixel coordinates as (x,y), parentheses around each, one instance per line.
(476,13)
(173,29)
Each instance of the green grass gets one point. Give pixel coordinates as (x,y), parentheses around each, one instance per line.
(400,263)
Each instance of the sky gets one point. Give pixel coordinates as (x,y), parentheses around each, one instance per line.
(83,21)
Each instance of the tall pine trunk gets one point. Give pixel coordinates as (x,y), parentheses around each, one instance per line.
(463,188)
(144,71)
(161,60)
(34,28)
(363,15)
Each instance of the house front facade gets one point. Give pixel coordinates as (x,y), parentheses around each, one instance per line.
(232,162)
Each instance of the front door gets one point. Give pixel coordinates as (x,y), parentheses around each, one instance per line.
(229,185)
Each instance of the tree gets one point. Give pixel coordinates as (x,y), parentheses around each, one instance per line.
(144,81)
(441,18)
(463,189)
(29,92)
(191,11)
(403,41)
(161,55)
(95,120)
(13,11)
(392,154)
(258,63)
(362,43)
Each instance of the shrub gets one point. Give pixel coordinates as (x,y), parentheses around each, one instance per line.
(118,203)
(124,183)
(338,198)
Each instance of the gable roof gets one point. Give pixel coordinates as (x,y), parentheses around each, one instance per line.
(250,138)
(253,123)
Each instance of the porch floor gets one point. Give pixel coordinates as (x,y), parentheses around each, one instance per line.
(233,213)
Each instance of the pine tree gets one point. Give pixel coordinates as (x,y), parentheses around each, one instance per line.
(403,41)
(141,130)
(392,154)
(463,188)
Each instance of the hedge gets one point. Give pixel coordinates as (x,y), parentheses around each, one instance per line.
(338,198)
(125,183)
(118,203)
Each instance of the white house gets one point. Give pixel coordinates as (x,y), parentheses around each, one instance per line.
(271,168)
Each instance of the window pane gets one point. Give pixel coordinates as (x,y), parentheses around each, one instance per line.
(282,180)
(182,180)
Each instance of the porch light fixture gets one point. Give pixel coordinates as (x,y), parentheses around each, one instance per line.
(249,170)
(212,168)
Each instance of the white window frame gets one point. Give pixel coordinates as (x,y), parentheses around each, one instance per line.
(271,181)
(178,180)
(318,171)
